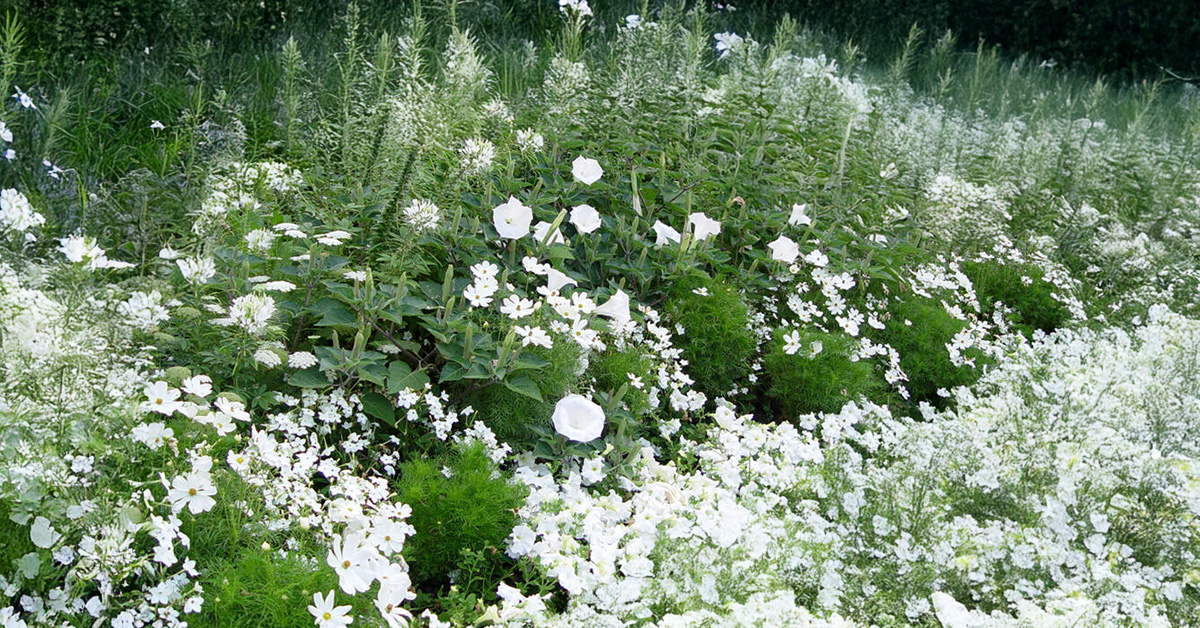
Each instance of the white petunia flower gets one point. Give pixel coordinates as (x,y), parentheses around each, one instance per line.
(784,249)
(585,218)
(578,418)
(586,171)
(512,219)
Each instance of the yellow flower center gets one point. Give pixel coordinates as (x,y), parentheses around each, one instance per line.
(328,616)
(191,491)
(345,564)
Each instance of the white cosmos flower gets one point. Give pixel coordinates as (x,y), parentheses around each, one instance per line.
(799,217)
(817,258)
(585,218)
(791,342)
(578,418)
(512,219)
(353,562)
(784,249)
(586,171)
(43,534)
(161,398)
(327,615)
(194,492)
(702,226)
(664,233)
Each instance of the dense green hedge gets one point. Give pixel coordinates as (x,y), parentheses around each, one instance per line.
(1118,37)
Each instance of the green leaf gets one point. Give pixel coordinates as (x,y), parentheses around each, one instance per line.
(380,407)
(308,378)
(401,376)
(374,373)
(525,386)
(334,313)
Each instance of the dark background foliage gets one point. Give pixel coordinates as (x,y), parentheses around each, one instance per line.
(1125,39)
(1129,39)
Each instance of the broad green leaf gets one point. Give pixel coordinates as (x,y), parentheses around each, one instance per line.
(308,378)
(524,385)
(379,406)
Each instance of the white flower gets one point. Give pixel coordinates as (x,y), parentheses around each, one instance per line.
(616,308)
(353,562)
(260,240)
(727,42)
(516,307)
(79,249)
(533,336)
(950,612)
(791,342)
(512,219)
(528,140)
(10,619)
(152,435)
(251,312)
(784,249)
(197,270)
(577,418)
(703,227)
(302,360)
(333,238)
(5,132)
(477,155)
(156,125)
(268,356)
(817,258)
(542,229)
(327,615)
(42,534)
(194,492)
(633,21)
(557,280)
(585,218)
(815,348)
(198,385)
(586,171)
(799,217)
(422,215)
(16,213)
(161,398)
(664,233)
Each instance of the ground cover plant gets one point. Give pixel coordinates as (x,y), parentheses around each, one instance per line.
(631,321)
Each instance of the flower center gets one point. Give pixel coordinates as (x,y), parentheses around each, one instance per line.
(345,564)
(328,616)
(192,491)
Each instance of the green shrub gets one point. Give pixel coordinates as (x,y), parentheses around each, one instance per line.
(919,330)
(510,414)
(716,342)
(1033,304)
(612,368)
(469,508)
(253,587)
(803,383)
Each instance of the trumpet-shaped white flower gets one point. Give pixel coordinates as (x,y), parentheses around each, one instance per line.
(784,249)
(586,170)
(578,418)
(585,218)
(702,226)
(664,234)
(616,308)
(799,217)
(512,219)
